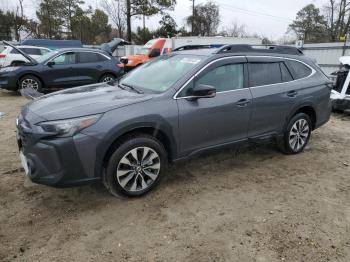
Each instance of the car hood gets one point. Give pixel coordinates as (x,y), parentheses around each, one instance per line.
(28,57)
(82,101)
(113,45)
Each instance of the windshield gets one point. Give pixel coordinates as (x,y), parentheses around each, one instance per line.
(160,74)
(46,56)
(143,51)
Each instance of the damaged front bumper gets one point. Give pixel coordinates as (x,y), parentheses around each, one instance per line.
(340,101)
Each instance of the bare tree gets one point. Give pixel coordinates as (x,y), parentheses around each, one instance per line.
(337,14)
(235,30)
(116,11)
(19,20)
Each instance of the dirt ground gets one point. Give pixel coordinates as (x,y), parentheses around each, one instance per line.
(253,205)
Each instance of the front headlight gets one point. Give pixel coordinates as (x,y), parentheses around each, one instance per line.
(8,69)
(130,61)
(68,127)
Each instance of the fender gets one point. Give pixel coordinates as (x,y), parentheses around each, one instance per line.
(307,101)
(152,121)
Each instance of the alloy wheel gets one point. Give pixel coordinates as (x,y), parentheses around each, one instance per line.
(138,169)
(30,83)
(299,134)
(107,79)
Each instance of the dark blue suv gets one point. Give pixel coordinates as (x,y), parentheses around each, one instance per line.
(62,68)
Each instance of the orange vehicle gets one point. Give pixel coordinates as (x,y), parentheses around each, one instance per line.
(151,49)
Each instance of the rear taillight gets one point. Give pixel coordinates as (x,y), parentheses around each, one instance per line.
(120,65)
(2,55)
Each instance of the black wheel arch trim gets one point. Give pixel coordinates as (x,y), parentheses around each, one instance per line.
(296,108)
(29,73)
(160,126)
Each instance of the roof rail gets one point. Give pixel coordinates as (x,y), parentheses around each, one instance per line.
(193,47)
(277,49)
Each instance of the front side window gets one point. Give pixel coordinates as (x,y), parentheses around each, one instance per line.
(261,74)
(161,73)
(298,69)
(65,59)
(224,78)
(44,51)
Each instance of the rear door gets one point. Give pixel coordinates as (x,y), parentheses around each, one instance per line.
(91,66)
(207,122)
(273,93)
(63,73)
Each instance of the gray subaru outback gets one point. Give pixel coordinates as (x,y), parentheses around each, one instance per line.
(169,109)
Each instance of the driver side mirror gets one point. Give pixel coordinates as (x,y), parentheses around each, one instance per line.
(203,91)
(51,63)
(154,52)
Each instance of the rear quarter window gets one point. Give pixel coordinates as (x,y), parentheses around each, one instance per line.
(298,70)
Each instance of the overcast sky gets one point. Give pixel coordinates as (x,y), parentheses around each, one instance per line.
(265,17)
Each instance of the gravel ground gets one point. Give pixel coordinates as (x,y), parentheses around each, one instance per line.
(252,205)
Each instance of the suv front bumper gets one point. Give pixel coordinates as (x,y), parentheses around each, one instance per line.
(58,162)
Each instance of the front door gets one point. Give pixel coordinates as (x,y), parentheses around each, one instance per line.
(207,122)
(63,73)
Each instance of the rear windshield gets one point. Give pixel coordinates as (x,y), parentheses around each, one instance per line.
(160,74)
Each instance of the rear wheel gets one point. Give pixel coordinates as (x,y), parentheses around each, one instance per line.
(31,82)
(108,78)
(297,134)
(136,166)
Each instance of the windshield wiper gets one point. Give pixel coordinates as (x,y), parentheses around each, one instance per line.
(132,88)
(120,86)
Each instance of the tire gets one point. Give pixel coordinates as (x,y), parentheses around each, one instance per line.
(30,81)
(107,78)
(136,166)
(297,134)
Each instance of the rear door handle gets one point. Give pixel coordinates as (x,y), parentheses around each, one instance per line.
(292,93)
(243,102)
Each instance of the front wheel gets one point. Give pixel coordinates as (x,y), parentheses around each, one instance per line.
(107,78)
(297,134)
(30,82)
(136,166)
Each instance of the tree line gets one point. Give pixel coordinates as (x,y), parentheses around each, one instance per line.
(72,19)
(329,23)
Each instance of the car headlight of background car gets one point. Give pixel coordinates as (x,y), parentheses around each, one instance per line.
(68,127)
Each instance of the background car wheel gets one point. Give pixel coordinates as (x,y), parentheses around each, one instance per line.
(136,166)
(297,134)
(30,81)
(107,78)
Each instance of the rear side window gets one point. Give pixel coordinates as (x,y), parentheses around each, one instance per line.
(261,74)
(286,76)
(224,78)
(31,51)
(298,69)
(90,57)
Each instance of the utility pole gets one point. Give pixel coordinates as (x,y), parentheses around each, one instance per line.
(192,16)
(128,20)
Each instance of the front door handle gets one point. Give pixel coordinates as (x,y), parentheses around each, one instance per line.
(292,93)
(243,102)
